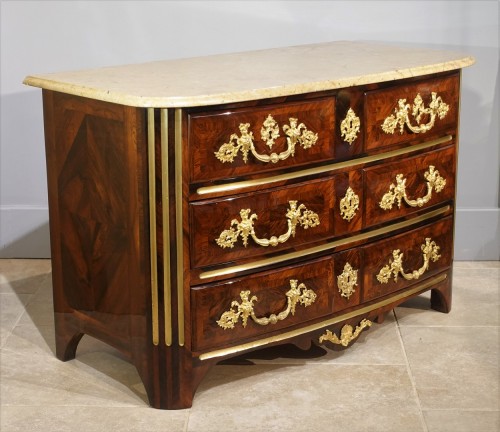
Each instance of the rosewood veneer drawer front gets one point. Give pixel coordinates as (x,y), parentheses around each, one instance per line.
(400,114)
(394,264)
(243,308)
(231,143)
(405,187)
(247,226)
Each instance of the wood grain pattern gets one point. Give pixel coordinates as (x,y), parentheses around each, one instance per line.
(210,218)
(380,104)
(97,167)
(379,255)
(270,288)
(96,164)
(378,179)
(209,130)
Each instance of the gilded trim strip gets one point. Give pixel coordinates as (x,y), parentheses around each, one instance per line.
(318,326)
(324,247)
(319,170)
(152,225)
(178,225)
(167,288)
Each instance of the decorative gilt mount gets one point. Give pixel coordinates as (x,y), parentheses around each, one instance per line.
(397,192)
(347,280)
(350,126)
(295,132)
(349,205)
(298,293)
(430,252)
(347,334)
(296,215)
(437,108)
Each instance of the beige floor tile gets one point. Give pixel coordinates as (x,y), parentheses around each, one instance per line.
(91,419)
(22,276)
(312,397)
(31,340)
(476,301)
(454,367)
(462,421)
(93,378)
(12,307)
(380,344)
(38,313)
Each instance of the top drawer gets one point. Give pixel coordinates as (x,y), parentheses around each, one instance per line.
(400,114)
(231,143)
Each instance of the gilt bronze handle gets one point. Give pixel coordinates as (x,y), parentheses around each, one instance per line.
(397,192)
(297,133)
(298,293)
(430,252)
(296,215)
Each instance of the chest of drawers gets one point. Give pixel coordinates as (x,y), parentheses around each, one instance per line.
(202,208)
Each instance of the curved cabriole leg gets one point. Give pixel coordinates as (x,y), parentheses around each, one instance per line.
(68,335)
(441,296)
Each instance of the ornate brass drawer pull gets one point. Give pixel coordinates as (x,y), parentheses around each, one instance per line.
(395,267)
(298,293)
(347,334)
(350,126)
(397,192)
(349,205)
(437,108)
(296,133)
(347,280)
(296,215)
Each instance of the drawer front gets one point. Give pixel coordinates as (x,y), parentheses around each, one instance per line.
(394,264)
(252,306)
(265,222)
(411,112)
(402,188)
(231,143)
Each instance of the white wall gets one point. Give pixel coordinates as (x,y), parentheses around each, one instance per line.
(50,36)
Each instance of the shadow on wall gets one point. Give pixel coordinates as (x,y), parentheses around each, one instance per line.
(34,244)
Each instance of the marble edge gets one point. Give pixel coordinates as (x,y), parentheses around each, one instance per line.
(243,95)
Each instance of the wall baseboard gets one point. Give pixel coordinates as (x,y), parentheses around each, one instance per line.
(24,233)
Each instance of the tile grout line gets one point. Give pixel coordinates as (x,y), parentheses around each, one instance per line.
(410,375)
(186,421)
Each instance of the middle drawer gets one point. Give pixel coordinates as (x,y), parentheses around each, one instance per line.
(264,222)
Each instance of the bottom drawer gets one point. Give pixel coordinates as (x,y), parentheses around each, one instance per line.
(229,312)
(258,304)
(393,264)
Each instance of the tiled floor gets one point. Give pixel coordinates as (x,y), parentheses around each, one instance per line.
(419,371)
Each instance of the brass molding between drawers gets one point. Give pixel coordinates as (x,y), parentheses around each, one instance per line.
(152,226)
(324,247)
(313,327)
(319,170)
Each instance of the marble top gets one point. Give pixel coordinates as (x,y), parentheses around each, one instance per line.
(251,75)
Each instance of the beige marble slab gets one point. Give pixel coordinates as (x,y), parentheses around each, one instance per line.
(251,75)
